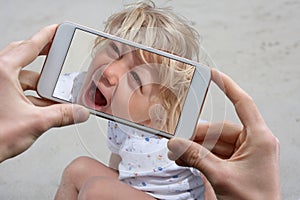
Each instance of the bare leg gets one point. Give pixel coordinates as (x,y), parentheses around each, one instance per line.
(78,172)
(106,188)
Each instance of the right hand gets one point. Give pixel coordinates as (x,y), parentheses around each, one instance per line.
(244,163)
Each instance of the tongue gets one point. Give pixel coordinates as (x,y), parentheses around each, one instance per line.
(99,98)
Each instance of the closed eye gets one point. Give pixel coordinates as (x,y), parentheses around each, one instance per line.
(136,78)
(113,51)
(115,48)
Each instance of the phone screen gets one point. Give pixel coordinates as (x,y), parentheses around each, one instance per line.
(124,81)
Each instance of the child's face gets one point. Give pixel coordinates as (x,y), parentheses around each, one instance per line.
(121,84)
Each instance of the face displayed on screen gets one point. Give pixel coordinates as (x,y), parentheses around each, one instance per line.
(124,81)
(119,83)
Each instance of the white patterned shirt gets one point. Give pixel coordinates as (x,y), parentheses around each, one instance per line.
(145,165)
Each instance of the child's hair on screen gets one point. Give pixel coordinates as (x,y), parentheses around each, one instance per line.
(161,29)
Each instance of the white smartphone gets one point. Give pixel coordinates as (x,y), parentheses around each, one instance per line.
(123,81)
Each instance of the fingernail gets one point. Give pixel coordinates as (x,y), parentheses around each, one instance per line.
(81,114)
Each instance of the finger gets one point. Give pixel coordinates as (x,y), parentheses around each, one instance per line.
(64,114)
(40,102)
(194,155)
(15,44)
(218,147)
(28,79)
(244,105)
(43,38)
(9,47)
(221,149)
(223,131)
(22,53)
(46,49)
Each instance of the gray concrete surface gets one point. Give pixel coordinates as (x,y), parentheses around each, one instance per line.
(256,42)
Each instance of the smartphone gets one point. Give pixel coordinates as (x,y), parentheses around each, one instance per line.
(124,81)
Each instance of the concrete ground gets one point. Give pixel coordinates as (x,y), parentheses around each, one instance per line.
(256,42)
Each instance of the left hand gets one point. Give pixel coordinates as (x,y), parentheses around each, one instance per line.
(22,119)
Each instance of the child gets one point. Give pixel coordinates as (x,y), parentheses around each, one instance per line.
(139,165)
(135,84)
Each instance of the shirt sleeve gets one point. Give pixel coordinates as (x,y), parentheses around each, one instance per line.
(115,138)
(64,86)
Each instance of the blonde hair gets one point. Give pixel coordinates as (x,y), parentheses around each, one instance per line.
(161,29)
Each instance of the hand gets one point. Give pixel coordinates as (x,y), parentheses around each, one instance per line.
(23,119)
(244,163)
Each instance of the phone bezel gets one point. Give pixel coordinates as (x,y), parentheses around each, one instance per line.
(193,103)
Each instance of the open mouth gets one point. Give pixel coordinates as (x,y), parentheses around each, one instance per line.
(95,97)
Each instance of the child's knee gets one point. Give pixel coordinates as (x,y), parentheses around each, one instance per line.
(77,166)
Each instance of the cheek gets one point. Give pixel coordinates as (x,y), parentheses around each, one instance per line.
(98,62)
(85,82)
(85,85)
(120,103)
(139,107)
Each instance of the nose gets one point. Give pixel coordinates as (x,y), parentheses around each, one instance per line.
(114,72)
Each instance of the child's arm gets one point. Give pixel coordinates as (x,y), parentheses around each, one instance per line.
(114,161)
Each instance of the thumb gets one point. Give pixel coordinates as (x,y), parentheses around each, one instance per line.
(194,155)
(65,114)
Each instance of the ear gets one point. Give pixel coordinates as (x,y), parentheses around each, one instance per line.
(158,116)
